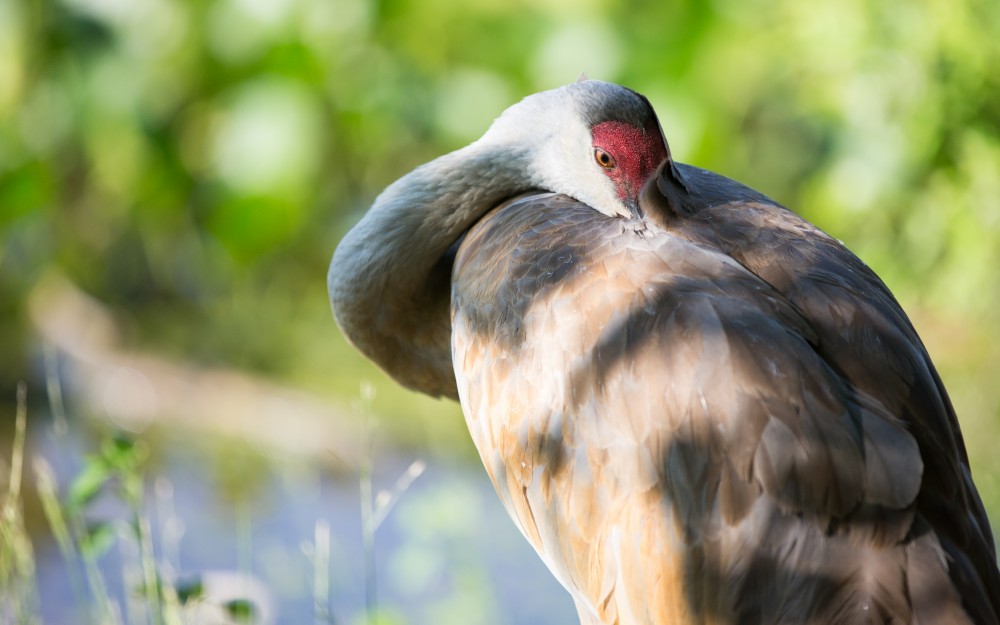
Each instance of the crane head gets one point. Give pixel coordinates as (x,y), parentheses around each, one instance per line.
(594,141)
(629,157)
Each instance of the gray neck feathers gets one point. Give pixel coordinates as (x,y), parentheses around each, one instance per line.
(389,289)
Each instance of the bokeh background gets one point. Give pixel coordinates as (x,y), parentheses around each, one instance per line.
(174,176)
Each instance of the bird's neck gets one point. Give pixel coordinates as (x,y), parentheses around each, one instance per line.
(388,285)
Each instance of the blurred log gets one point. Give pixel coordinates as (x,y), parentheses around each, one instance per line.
(135,390)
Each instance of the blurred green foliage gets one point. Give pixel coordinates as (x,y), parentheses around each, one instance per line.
(193,163)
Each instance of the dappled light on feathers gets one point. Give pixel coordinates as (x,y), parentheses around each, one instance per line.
(706,410)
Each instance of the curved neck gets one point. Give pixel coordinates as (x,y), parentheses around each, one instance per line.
(389,280)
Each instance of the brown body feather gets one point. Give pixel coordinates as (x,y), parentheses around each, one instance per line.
(714,414)
(699,408)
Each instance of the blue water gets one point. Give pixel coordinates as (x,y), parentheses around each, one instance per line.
(446,553)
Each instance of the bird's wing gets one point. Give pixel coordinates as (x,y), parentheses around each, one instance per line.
(665,428)
(863,333)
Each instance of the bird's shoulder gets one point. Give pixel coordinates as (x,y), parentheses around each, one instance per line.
(741,363)
(722,357)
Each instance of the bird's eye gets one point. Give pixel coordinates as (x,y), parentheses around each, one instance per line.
(604,159)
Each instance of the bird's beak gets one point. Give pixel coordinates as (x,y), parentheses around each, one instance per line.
(632,205)
(651,201)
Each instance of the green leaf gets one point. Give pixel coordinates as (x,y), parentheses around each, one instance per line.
(241,610)
(190,589)
(98,539)
(122,453)
(87,484)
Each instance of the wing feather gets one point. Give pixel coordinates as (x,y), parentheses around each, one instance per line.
(689,430)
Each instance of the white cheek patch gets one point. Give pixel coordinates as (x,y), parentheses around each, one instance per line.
(550,130)
(568,167)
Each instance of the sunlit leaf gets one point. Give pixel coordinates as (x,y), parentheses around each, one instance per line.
(87,483)
(98,539)
(123,454)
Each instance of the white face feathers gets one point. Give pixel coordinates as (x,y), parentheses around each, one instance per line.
(552,133)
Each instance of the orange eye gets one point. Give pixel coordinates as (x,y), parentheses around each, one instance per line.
(604,159)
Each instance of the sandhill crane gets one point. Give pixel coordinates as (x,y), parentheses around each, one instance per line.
(696,406)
